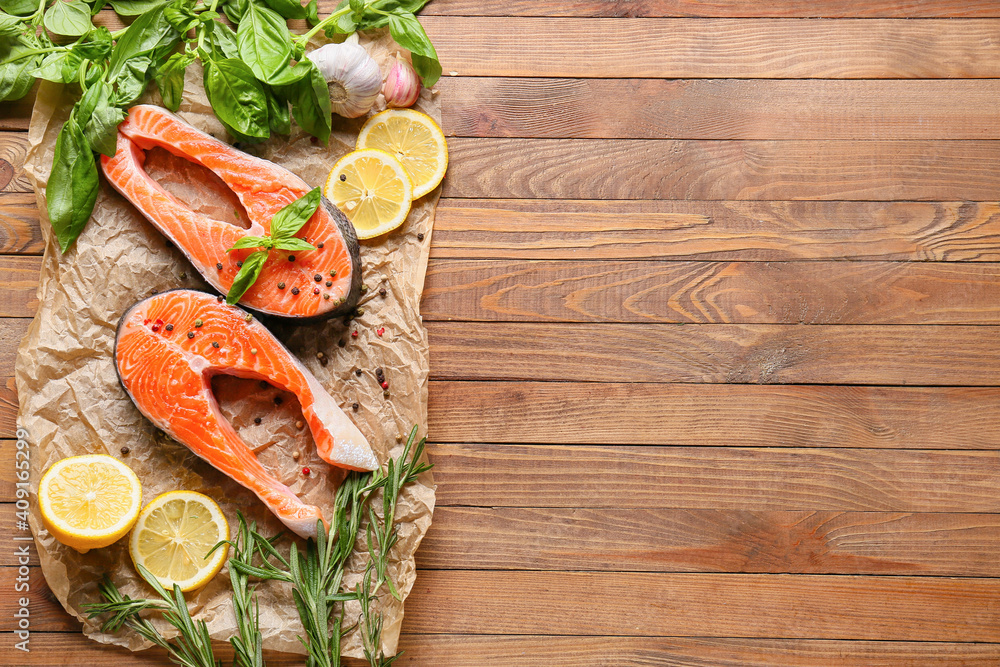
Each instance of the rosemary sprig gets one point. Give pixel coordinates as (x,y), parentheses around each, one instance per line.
(248,644)
(191,648)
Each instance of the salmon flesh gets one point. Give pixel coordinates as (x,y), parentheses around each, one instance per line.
(238,194)
(167,349)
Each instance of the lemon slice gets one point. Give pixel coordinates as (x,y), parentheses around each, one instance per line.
(373,190)
(415,139)
(89,502)
(174,533)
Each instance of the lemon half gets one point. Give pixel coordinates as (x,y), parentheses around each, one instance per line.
(373,190)
(415,139)
(89,502)
(174,533)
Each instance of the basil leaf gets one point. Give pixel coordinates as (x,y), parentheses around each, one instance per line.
(150,34)
(96,46)
(251,242)
(51,68)
(295,244)
(289,9)
(170,79)
(408,33)
(72,187)
(237,97)
(102,128)
(290,219)
(247,276)
(131,81)
(235,9)
(135,7)
(16,73)
(291,74)
(19,7)
(223,38)
(10,26)
(310,100)
(312,12)
(264,41)
(357,9)
(70,18)
(89,101)
(180,16)
(278,116)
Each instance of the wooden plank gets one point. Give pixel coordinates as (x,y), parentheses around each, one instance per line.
(8,406)
(19,224)
(720,108)
(667,604)
(716,48)
(724,478)
(12,330)
(732,230)
(717,353)
(904,9)
(19,285)
(713,415)
(477,538)
(719,170)
(13,149)
(685,292)
(59,648)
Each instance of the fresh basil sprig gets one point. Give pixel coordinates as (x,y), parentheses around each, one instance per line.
(285,224)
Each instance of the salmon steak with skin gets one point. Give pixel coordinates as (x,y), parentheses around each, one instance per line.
(243,193)
(168,348)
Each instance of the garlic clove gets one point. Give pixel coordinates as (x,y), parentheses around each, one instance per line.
(402,85)
(353,77)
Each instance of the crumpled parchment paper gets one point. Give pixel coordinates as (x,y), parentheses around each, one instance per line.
(71,402)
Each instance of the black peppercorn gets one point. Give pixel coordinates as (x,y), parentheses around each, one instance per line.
(256,420)
(278,400)
(343,177)
(341,343)
(239,264)
(215,345)
(355,406)
(319,245)
(170,327)
(318,278)
(190,334)
(357,372)
(420,236)
(381,291)
(264,385)
(291,258)
(281,285)
(329,283)
(125,451)
(295,290)
(218,265)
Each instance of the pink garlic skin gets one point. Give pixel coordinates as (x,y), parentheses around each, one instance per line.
(402,85)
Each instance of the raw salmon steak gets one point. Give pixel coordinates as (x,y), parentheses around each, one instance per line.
(167,349)
(238,194)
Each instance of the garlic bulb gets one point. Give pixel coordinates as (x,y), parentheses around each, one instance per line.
(352,75)
(402,85)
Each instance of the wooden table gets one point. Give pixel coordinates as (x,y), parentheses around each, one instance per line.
(713,308)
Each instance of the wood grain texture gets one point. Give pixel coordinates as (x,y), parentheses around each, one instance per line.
(727,478)
(667,604)
(687,292)
(13,149)
(709,415)
(716,48)
(19,285)
(711,540)
(719,170)
(733,230)
(51,649)
(19,224)
(716,353)
(712,8)
(720,108)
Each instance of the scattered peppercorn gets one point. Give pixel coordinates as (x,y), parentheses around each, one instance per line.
(314,140)
(215,345)
(291,258)
(253,350)
(263,384)
(198,323)
(249,317)
(125,451)
(220,298)
(364,288)
(319,245)
(399,438)
(359,312)
(385,394)
(170,327)
(420,236)
(184,275)
(341,343)
(296,455)
(305,471)
(281,285)
(380,331)
(324,361)
(326,297)
(278,400)
(295,290)
(379,372)
(355,406)
(299,424)
(354,334)
(190,334)
(320,355)
(333,274)
(318,278)
(385,385)
(315,290)
(239,264)
(381,291)
(218,265)
(357,372)
(329,283)
(343,177)
(257,420)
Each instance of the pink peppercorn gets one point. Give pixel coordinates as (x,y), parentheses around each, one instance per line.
(306,471)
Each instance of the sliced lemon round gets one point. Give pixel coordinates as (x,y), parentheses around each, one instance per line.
(173,536)
(89,502)
(373,190)
(415,139)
